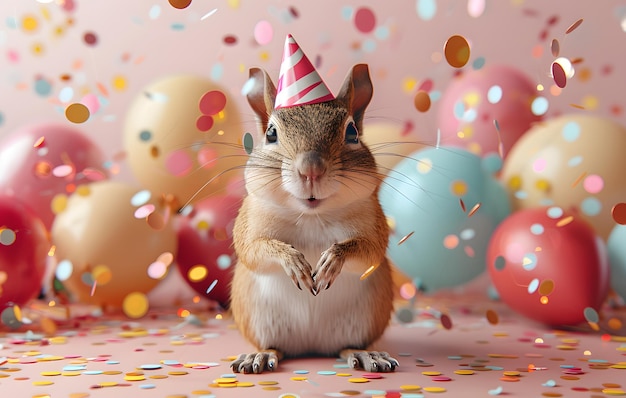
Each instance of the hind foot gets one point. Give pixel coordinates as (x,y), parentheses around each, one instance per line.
(370,361)
(257,362)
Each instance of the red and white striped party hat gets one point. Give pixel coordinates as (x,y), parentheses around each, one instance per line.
(298,81)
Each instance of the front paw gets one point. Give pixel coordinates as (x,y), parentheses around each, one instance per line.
(372,361)
(299,270)
(328,267)
(255,363)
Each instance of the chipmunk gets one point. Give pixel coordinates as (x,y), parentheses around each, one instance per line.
(311,237)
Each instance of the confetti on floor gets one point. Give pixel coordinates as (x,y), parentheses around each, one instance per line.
(97,357)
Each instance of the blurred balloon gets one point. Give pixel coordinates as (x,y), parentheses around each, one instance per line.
(548,265)
(181,133)
(442,205)
(43,163)
(616,246)
(113,245)
(574,162)
(24,246)
(205,254)
(487,110)
(390,143)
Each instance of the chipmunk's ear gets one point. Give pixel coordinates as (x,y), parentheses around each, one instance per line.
(357,91)
(261,96)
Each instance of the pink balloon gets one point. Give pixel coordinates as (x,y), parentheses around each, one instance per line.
(24,246)
(487,110)
(42,161)
(205,256)
(548,265)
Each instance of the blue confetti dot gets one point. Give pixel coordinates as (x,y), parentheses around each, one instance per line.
(539,106)
(347,12)
(478,63)
(529,262)
(494,94)
(217,71)
(591,206)
(43,88)
(536,229)
(426,9)
(145,135)
(571,131)
(575,161)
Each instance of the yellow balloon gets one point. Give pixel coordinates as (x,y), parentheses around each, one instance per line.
(575,162)
(105,242)
(183,132)
(390,143)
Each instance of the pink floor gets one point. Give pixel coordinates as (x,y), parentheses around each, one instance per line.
(474,356)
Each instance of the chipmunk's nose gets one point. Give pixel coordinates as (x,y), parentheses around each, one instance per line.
(310,166)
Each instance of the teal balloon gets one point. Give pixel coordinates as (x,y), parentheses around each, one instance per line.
(448,202)
(616,246)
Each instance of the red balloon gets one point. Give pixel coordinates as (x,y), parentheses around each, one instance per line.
(548,265)
(24,246)
(43,163)
(206,256)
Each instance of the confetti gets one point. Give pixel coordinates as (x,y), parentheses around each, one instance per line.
(573,26)
(422,101)
(180,4)
(77,113)
(404,238)
(457,51)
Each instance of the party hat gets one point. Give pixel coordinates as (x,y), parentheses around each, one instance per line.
(298,82)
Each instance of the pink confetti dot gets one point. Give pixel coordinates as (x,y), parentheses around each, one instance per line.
(539,165)
(179,163)
(263,32)
(365,20)
(593,183)
(212,103)
(144,211)
(204,123)
(207,158)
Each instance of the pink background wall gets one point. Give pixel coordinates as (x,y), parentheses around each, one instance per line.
(140,41)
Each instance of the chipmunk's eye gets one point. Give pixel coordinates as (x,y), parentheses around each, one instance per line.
(352,134)
(271,135)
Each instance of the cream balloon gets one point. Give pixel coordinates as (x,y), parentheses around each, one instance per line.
(573,161)
(390,143)
(182,136)
(105,246)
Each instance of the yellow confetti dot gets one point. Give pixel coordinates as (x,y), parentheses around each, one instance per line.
(70,373)
(424,166)
(408,84)
(102,274)
(197,273)
(42,383)
(77,113)
(30,23)
(542,185)
(620,365)
(511,373)
(134,377)
(50,373)
(225,380)
(58,203)
(410,387)
(200,392)
(343,374)
(431,373)
(268,383)
(298,378)
(135,305)
(464,372)
(358,380)
(120,83)
(435,389)
(245,384)
(108,384)
(613,391)
(458,188)
(182,373)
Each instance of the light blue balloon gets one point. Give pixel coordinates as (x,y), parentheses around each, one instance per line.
(616,246)
(422,195)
